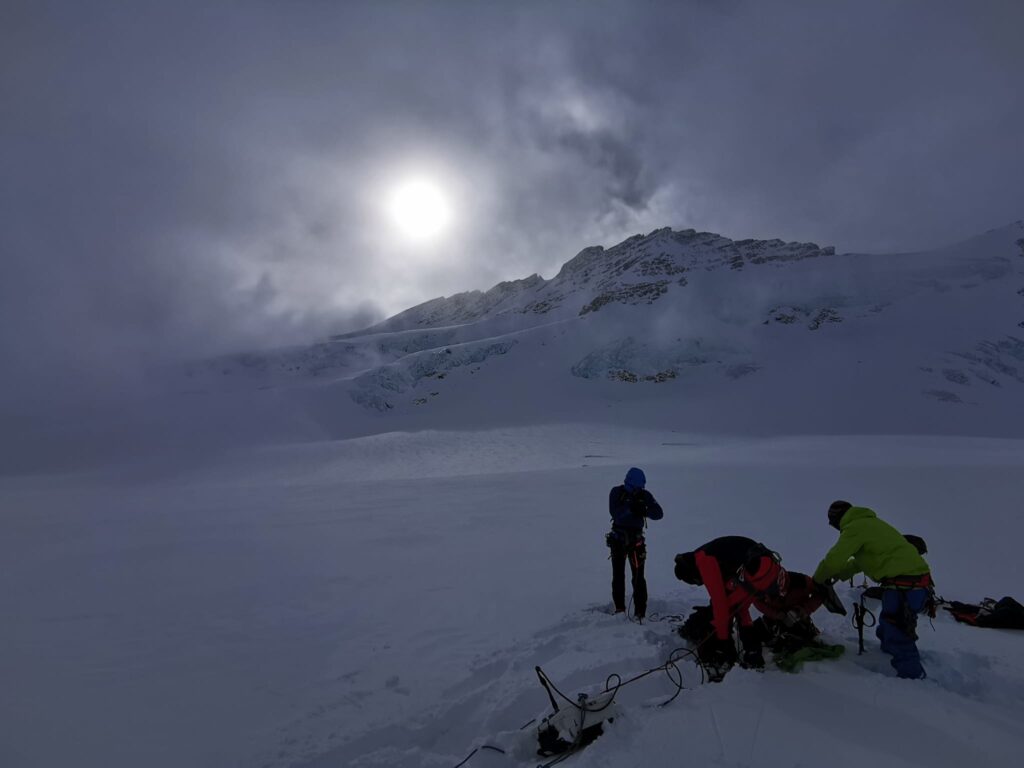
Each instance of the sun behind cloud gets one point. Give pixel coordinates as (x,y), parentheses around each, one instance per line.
(420,209)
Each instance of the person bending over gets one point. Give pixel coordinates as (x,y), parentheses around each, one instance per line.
(735,571)
(867,543)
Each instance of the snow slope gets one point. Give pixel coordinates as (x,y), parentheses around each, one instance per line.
(382,601)
(689,330)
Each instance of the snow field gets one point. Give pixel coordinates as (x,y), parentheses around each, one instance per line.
(383,601)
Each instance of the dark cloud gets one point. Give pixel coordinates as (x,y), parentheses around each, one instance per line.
(180,179)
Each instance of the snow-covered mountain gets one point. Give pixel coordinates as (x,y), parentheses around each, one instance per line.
(688,329)
(639,270)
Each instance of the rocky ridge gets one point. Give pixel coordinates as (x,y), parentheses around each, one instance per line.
(639,270)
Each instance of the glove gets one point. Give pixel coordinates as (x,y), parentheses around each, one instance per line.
(639,504)
(830,599)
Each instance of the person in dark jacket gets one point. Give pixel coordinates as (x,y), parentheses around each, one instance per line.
(867,543)
(630,506)
(735,571)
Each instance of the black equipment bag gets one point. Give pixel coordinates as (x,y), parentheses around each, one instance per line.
(1002,614)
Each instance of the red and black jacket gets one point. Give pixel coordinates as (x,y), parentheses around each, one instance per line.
(735,570)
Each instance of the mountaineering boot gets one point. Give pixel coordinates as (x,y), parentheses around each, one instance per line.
(716,672)
(717,657)
(752,657)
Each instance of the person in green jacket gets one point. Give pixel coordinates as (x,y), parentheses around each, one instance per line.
(870,545)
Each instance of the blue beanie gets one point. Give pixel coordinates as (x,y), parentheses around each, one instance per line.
(635,478)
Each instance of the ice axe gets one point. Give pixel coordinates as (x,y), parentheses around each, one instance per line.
(860,611)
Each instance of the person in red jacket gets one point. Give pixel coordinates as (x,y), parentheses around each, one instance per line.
(736,571)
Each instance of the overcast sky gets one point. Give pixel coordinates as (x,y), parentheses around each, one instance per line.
(183,178)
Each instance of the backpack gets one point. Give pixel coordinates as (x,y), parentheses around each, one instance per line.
(1002,614)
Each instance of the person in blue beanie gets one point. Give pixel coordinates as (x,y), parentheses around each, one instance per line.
(630,505)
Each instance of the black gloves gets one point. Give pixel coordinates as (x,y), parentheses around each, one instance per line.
(638,504)
(697,627)
(830,599)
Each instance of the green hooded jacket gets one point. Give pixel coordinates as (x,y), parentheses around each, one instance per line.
(870,545)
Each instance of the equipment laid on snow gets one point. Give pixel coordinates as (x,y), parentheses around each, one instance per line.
(572,728)
(813,651)
(1002,614)
(567,730)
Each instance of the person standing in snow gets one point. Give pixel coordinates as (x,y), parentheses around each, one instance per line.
(630,506)
(867,543)
(736,571)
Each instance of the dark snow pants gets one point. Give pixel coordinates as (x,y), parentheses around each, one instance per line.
(634,552)
(897,629)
